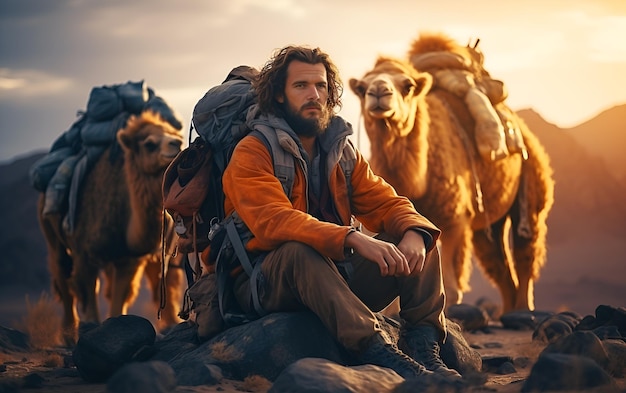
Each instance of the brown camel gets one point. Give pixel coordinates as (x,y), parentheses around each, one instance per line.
(118,225)
(422,144)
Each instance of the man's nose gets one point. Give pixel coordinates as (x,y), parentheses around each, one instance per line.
(313,94)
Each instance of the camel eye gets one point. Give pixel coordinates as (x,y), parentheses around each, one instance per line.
(408,87)
(150,146)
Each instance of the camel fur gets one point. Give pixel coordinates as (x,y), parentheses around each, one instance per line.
(118,226)
(422,143)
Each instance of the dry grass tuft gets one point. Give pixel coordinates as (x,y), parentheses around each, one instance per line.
(53,360)
(42,323)
(256,383)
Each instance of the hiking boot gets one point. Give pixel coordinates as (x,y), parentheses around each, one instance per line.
(422,344)
(383,353)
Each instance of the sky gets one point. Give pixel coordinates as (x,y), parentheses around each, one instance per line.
(565,59)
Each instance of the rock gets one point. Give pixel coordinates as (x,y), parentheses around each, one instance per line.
(493,309)
(143,377)
(523,320)
(13,340)
(555,327)
(457,354)
(616,352)
(311,375)
(468,316)
(556,371)
(493,363)
(432,383)
(605,316)
(584,344)
(103,350)
(265,347)
(199,374)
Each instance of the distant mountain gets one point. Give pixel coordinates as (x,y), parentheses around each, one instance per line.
(588,194)
(605,137)
(22,246)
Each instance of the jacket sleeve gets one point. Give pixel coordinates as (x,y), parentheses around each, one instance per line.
(257,195)
(377,205)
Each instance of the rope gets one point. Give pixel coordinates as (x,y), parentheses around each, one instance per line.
(162,292)
(523,228)
(468,149)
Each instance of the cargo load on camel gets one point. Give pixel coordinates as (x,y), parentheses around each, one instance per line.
(460,71)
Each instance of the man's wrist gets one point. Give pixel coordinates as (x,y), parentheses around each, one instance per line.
(428,238)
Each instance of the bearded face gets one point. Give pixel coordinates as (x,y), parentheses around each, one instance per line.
(305,123)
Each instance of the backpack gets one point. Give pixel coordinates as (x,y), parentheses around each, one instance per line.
(193,196)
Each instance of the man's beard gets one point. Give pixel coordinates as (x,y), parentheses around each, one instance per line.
(303,126)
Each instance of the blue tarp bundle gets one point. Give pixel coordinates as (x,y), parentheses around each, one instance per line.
(59,172)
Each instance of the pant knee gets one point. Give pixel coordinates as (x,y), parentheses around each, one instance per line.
(295,258)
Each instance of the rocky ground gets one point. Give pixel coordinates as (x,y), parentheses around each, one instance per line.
(508,357)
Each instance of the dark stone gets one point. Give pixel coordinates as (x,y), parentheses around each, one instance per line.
(608,332)
(143,377)
(523,320)
(103,350)
(199,374)
(616,352)
(584,344)
(493,309)
(506,368)
(267,346)
(12,340)
(432,383)
(555,327)
(456,352)
(321,375)
(33,381)
(555,371)
(468,316)
(493,363)
(605,316)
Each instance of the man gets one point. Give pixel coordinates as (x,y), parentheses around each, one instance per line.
(311,255)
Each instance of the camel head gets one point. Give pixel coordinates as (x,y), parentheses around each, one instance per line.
(150,143)
(390,96)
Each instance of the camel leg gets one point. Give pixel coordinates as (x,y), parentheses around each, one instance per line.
(60,266)
(125,284)
(494,259)
(529,232)
(456,262)
(85,285)
(529,256)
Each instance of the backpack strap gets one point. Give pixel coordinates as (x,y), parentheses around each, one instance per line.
(284,168)
(251,271)
(347,163)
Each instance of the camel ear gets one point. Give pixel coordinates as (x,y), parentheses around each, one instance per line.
(423,83)
(357,87)
(124,140)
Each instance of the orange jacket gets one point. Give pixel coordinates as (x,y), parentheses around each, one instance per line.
(251,189)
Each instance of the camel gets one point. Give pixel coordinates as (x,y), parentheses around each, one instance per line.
(118,226)
(422,144)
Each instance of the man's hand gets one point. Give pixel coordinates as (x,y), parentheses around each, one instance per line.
(414,250)
(389,258)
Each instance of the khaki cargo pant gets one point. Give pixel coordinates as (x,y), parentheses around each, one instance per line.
(296,277)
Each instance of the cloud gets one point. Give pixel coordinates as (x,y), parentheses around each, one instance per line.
(24,84)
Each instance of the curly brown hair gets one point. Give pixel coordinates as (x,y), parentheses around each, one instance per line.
(273,76)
